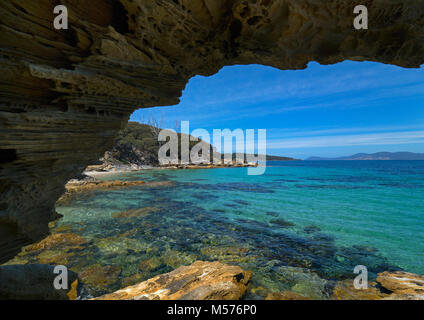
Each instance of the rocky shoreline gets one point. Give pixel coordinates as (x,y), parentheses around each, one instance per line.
(202,280)
(89,182)
(108,168)
(199,281)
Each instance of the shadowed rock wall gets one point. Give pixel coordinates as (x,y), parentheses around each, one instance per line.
(65,93)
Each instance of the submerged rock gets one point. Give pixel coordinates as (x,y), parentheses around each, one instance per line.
(228,254)
(175,258)
(98,277)
(272,213)
(286,295)
(56,249)
(303,282)
(62,229)
(150,264)
(345,290)
(77,186)
(132,279)
(282,223)
(133,213)
(156,184)
(199,281)
(59,240)
(34,282)
(117,245)
(256,292)
(242,202)
(311,229)
(58,257)
(397,285)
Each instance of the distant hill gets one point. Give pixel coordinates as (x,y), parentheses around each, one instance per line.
(376,156)
(271,158)
(137,145)
(278,158)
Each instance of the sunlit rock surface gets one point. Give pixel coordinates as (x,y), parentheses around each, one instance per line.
(398,285)
(345,290)
(64,94)
(199,281)
(403,285)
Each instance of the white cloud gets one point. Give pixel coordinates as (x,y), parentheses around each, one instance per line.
(386,138)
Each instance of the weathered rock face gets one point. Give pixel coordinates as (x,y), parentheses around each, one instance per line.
(199,281)
(65,93)
(34,282)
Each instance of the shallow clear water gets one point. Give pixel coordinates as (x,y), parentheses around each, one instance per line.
(299,227)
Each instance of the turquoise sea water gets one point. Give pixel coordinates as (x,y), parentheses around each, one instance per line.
(300,226)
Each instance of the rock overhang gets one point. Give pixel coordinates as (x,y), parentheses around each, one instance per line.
(66,93)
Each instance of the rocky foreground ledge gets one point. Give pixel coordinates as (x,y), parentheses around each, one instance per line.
(199,281)
(217,281)
(78,185)
(88,183)
(398,285)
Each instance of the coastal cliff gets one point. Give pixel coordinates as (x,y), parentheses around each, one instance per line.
(65,94)
(136,147)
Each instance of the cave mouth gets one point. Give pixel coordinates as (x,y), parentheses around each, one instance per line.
(327,111)
(66,94)
(224,215)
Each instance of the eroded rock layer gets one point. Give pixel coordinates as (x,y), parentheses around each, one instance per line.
(201,280)
(65,93)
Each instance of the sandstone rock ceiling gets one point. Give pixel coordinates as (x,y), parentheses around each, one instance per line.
(65,93)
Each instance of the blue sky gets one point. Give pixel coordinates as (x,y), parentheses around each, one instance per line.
(329,111)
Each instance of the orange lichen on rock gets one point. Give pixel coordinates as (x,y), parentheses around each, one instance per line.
(403,285)
(58,240)
(198,281)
